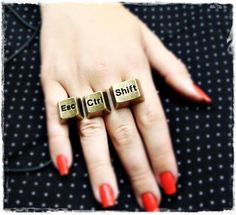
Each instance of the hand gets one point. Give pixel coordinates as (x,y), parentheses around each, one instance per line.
(86,48)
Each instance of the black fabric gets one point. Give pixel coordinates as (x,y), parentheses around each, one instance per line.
(202,135)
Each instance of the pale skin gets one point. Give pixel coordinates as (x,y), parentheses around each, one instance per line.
(86,48)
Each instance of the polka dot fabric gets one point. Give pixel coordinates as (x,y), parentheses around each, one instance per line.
(201,135)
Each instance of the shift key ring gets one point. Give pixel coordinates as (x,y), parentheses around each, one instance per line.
(126,93)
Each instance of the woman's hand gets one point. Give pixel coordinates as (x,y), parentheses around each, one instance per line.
(86,48)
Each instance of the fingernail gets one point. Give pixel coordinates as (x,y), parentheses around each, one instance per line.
(62,165)
(150,202)
(106,196)
(202,94)
(167,181)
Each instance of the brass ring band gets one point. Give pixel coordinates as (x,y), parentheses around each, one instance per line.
(123,94)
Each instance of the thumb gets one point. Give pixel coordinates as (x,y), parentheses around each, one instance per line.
(170,67)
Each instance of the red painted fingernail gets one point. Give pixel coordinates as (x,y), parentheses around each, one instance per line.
(150,202)
(167,181)
(107,196)
(202,94)
(62,165)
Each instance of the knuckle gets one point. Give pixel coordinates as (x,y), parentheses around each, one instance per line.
(57,70)
(162,154)
(134,62)
(47,70)
(182,68)
(90,127)
(54,137)
(65,67)
(97,165)
(51,108)
(139,175)
(101,68)
(163,159)
(123,135)
(45,76)
(62,70)
(42,77)
(150,117)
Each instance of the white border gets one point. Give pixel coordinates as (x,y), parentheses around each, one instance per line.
(102,1)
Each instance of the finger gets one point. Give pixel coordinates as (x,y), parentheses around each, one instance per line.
(152,124)
(58,134)
(128,143)
(94,143)
(171,68)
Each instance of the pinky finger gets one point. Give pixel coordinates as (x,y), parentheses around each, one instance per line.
(171,68)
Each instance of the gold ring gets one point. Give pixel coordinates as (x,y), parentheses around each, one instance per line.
(126,93)
(96,104)
(123,94)
(70,108)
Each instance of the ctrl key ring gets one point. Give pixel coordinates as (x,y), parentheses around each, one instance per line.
(70,108)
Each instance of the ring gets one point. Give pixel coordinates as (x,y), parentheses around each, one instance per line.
(70,108)
(126,93)
(123,94)
(97,104)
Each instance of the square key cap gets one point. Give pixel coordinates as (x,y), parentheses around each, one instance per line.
(126,93)
(70,108)
(96,104)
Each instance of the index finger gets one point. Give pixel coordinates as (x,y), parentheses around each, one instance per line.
(58,134)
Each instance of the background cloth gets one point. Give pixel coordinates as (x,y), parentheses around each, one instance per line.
(202,135)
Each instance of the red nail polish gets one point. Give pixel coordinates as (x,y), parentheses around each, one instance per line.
(204,96)
(150,202)
(62,165)
(167,181)
(106,196)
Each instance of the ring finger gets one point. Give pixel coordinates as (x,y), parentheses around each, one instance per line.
(128,144)
(153,126)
